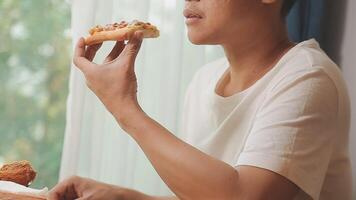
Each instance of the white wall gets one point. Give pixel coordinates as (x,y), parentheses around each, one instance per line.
(348,63)
(340,44)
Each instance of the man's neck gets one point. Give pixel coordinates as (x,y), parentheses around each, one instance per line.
(251,58)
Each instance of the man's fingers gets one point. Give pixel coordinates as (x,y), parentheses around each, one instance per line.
(133,46)
(116,51)
(80,48)
(53,196)
(69,193)
(59,192)
(79,57)
(65,190)
(91,51)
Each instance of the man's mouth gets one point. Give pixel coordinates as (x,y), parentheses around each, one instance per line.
(191,16)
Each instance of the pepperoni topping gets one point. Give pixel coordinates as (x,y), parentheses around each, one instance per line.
(97,28)
(115,26)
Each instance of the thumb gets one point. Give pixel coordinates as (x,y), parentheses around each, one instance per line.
(133,47)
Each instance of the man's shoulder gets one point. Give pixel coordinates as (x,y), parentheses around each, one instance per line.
(309,65)
(307,56)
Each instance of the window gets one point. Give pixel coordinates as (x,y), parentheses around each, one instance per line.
(34,66)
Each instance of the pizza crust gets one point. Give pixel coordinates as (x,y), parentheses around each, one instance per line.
(99,34)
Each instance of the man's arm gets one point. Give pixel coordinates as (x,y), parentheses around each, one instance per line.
(163,198)
(129,194)
(192,174)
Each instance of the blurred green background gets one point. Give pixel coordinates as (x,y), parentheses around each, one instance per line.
(35,51)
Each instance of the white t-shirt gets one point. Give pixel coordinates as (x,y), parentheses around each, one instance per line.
(293,121)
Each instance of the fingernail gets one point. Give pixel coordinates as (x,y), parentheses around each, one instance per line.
(81,41)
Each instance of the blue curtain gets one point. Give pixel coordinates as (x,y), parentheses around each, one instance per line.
(305,20)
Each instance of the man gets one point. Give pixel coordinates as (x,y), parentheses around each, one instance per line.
(269,121)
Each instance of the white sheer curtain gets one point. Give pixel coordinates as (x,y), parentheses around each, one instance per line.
(95,146)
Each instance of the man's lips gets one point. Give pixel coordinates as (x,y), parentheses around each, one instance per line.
(192,16)
(190,13)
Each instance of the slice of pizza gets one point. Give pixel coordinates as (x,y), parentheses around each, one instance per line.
(120,32)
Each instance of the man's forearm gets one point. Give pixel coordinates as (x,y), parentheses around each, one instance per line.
(162,198)
(190,173)
(129,194)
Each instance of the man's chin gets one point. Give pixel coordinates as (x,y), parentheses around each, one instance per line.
(198,40)
(201,39)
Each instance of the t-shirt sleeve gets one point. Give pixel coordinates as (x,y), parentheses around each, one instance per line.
(293,131)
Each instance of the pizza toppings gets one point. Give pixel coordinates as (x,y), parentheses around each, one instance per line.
(120,32)
(116,26)
(111,27)
(108,27)
(95,29)
(136,23)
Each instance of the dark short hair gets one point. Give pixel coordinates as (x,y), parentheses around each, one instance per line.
(287,6)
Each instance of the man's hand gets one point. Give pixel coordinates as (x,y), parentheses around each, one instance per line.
(114,81)
(85,189)
(81,188)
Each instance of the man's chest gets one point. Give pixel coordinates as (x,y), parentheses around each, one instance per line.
(218,127)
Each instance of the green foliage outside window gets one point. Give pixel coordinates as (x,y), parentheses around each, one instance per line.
(34,66)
